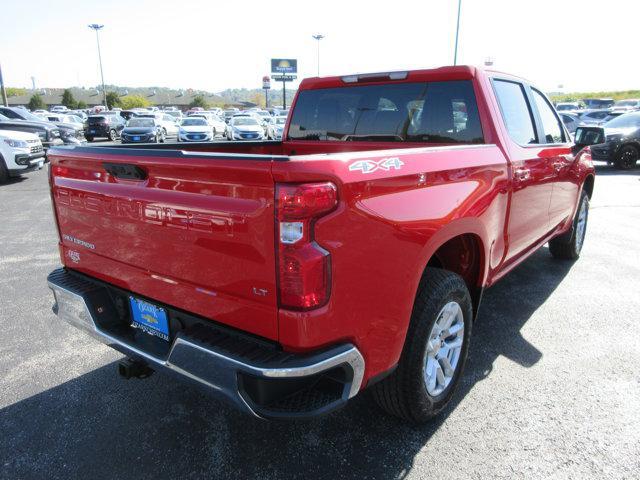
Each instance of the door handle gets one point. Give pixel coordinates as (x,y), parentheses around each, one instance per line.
(521,174)
(557,166)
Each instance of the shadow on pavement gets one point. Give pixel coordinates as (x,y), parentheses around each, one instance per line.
(14,180)
(99,426)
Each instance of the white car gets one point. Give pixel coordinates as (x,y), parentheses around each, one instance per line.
(72,120)
(218,125)
(168,123)
(195,129)
(275,127)
(20,152)
(245,128)
(59,109)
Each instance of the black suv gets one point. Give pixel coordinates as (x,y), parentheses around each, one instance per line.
(107,124)
(622,142)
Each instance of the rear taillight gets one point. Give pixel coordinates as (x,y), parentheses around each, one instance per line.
(304,270)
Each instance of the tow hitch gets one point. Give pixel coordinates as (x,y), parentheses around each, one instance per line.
(131,368)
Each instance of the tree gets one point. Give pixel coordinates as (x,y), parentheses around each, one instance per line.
(81,104)
(133,101)
(36,103)
(258,98)
(15,92)
(113,100)
(199,101)
(68,100)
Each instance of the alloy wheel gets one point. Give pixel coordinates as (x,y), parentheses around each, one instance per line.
(443,349)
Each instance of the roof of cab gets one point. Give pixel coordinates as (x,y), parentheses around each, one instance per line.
(460,72)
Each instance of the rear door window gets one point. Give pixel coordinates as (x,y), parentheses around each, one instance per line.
(426,112)
(515,111)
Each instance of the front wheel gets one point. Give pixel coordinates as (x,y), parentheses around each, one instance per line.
(627,157)
(4,173)
(113,135)
(569,245)
(435,350)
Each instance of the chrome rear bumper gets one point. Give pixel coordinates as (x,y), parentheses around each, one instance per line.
(265,382)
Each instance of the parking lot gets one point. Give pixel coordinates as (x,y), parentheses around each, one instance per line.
(551,388)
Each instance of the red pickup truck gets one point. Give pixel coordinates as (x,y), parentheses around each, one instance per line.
(288,276)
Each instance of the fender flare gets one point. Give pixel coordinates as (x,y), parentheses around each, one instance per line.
(461,226)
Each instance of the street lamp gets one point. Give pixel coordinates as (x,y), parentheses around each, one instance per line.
(96,27)
(455,51)
(318,37)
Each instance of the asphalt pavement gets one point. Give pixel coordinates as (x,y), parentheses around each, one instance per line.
(551,389)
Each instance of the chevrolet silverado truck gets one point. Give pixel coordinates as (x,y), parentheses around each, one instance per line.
(288,276)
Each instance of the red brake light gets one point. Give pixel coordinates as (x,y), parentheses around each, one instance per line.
(305,200)
(304,271)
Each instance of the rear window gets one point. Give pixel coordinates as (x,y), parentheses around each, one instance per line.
(432,112)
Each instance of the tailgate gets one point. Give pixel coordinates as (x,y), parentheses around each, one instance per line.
(195,231)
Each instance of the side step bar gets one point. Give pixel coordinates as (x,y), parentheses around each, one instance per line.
(263,381)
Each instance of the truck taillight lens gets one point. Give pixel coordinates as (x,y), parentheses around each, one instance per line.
(304,267)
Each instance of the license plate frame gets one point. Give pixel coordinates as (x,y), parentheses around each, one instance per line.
(149,318)
(136,138)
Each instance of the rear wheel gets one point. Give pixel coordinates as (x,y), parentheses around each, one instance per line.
(89,138)
(569,245)
(113,135)
(434,352)
(627,157)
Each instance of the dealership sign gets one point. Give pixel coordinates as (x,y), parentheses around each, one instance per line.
(284,65)
(266,82)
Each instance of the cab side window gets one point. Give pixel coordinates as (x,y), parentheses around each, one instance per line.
(515,111)
(553,132)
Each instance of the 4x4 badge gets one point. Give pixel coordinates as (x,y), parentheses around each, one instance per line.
(370,166)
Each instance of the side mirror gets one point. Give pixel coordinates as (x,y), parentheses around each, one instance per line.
(586,136)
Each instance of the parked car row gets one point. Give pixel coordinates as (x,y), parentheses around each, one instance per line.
(198,125)
(143,125)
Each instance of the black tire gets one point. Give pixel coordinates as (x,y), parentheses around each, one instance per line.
(4,173)
(569,245)
(89,139)
(404,393)
(113,135)
(627,157)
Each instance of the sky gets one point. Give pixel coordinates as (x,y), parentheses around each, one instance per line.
(211,45)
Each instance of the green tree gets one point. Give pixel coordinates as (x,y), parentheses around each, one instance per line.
(68,100)
(199,101)
(15,92)
(113,100)
(81,104)
(134,101)
(36,103)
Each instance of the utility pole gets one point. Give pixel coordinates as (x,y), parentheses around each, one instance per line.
(4,92)
(455,51)
(284,95)
(96,27)
(318,37)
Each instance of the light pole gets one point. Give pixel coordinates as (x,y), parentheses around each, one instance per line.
(2,90)
(455,51)
(96,27)
(318,37)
